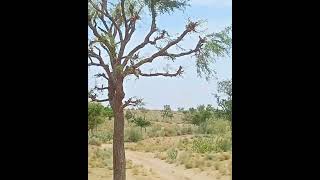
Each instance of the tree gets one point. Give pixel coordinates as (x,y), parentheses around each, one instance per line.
(141,122)
(111,27)
(180,109)
(108,112)
(95,115)
(167,112)
(199,115)
(224,98)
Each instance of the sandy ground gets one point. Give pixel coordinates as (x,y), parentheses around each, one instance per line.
(160,169)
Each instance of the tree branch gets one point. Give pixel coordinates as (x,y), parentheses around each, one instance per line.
(93,97)
(167,74)
(153,29)
(106,13)
(91,54)
(162,52)
(101,88)
(101,75)
(195,50)
(131,102)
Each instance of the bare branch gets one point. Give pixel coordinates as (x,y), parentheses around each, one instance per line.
(153,29)
(101,75)
(106,13)
(167,74)
(100,38)
(93,97)
(124,17)
(131,102)
(195,50)
(162,51)
(91,54)
(101,88)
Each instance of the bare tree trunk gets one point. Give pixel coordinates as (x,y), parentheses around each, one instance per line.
(119,160)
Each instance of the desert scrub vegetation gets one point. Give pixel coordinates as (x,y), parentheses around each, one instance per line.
(94,141)
(100,158)
(167,112)
(211,144)
(169,130)
(160,144)
(198,115)
(133,134)
(172,154)
(215,126)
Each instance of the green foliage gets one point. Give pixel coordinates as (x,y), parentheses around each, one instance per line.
(95,115)
(100,158)
(94,141)
(180,109)
(103,136)
(172,154)
(165,6)
(199,115)
(215,127)
(142,122)
(133,135)
(217,45)
(224,99)
(211,144)
(108,112)
(167,112)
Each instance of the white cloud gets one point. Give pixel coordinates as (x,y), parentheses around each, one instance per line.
(212,3)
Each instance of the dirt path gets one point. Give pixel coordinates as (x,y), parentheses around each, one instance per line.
(162,169)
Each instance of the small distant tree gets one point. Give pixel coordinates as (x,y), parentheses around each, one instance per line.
(95,116)
(224,99)
(180,109)
(108,112)
(142,122)
(167,112)
(199,115)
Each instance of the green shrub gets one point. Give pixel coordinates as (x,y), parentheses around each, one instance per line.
(104,136)
(167,112)
(212,144)
(133,135)
(100,157)
(215,127)
(94,141)
(199,115)
(142,122)
(172,154)
(95,115)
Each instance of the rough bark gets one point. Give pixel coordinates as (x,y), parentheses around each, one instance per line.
(119,160)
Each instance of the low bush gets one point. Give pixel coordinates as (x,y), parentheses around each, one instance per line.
(100,157)
(103,136)
(94,141)
(212,144)
(133,134)
(172,154)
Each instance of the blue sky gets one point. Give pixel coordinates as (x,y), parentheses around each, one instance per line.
(189,90)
